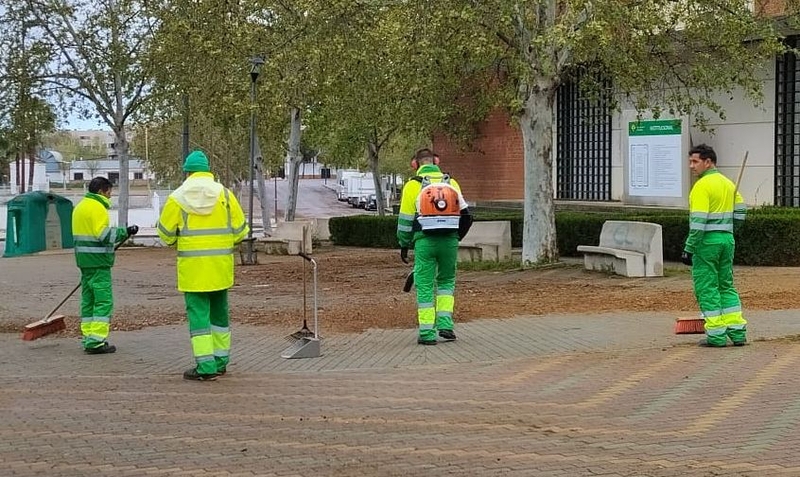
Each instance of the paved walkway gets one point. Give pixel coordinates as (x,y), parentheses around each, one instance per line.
(613,395)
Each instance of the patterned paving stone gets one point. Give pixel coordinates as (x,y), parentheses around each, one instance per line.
(563,396)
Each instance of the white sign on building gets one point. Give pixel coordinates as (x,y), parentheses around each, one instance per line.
(656,170)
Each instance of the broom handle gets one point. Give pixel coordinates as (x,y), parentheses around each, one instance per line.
(62,301)
(314,265)
(739,178)
(75,289)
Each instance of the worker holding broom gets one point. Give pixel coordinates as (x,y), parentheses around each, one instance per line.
(433,217)
(715,205)
(94,254)
(204,221)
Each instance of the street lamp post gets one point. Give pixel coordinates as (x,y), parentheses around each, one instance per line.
(255,68)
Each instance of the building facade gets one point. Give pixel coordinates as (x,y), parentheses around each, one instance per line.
(593,147)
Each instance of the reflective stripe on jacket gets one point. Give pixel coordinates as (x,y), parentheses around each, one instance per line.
(712,207)
(94,239)
(205,221)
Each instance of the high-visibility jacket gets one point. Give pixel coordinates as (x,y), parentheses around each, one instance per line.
(713,207)
(205,221)
(408,228)
(94,239)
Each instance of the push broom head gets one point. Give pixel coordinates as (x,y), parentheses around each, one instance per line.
(303,333)
(690,326)
(40,328)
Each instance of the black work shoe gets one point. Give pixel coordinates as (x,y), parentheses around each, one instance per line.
(739,343)
(426,342)
(447,335)
(193,375)
(104,348)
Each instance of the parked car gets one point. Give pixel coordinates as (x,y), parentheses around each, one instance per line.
(372,202)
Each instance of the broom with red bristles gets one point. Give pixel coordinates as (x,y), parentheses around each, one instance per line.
(696,326)
(51,323)
(690,326)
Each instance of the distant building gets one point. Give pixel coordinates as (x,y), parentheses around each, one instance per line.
(109,168)
(55,167)
(95,138)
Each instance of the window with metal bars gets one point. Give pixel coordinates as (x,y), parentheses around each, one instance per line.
(787,128)
(583,144)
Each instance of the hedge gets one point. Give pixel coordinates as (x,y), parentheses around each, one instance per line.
(769,236)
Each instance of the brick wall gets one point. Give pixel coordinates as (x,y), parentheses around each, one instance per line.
(770,8)
(493,168)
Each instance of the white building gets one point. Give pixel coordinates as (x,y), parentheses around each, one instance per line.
(95,138)
(40,181)
(108,168)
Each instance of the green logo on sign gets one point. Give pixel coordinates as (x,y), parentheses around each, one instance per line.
(661,127)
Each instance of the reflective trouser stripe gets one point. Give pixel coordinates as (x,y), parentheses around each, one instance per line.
(221,335)
(712,275)
(435,269)
(444,309)
(97,304)
(426,314)
(209,329)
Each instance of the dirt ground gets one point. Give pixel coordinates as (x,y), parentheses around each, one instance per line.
(362,288)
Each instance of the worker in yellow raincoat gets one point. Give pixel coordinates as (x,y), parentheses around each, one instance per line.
(204,221)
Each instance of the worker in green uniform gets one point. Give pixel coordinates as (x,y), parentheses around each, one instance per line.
(433,217)
(203,219)
(94,253)
(715,206)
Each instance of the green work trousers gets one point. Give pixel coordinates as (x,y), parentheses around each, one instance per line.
(435,280)
(209,329)
(712,275)
(97,304)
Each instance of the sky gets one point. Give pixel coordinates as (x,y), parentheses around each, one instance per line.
(73,122)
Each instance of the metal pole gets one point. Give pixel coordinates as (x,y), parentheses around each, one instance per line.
(250,248)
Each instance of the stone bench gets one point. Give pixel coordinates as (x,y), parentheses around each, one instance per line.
(632,249)
(488,241)
(288,238)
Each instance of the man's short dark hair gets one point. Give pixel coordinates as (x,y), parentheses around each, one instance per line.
(99,184)
(424,154)
(705,152)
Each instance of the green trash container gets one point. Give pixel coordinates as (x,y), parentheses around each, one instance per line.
(38,221)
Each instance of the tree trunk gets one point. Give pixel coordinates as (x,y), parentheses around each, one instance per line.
(373,154)
(539,244)
(20,164)
(121,151)
(32,170)
(295,158)
(262,190)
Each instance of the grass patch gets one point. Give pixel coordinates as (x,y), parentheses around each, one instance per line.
(677,271)
(490,266)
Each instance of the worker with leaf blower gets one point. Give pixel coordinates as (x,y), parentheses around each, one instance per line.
(433,218)
(203,219)
(715,206)
(94,253)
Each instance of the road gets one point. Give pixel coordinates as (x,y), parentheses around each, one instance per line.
(315,198)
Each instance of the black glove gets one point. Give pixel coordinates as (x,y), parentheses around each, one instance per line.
(464,223)
(686,258)
(132,230)
(404,254)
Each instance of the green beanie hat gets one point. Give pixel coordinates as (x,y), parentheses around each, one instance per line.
(196,162)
